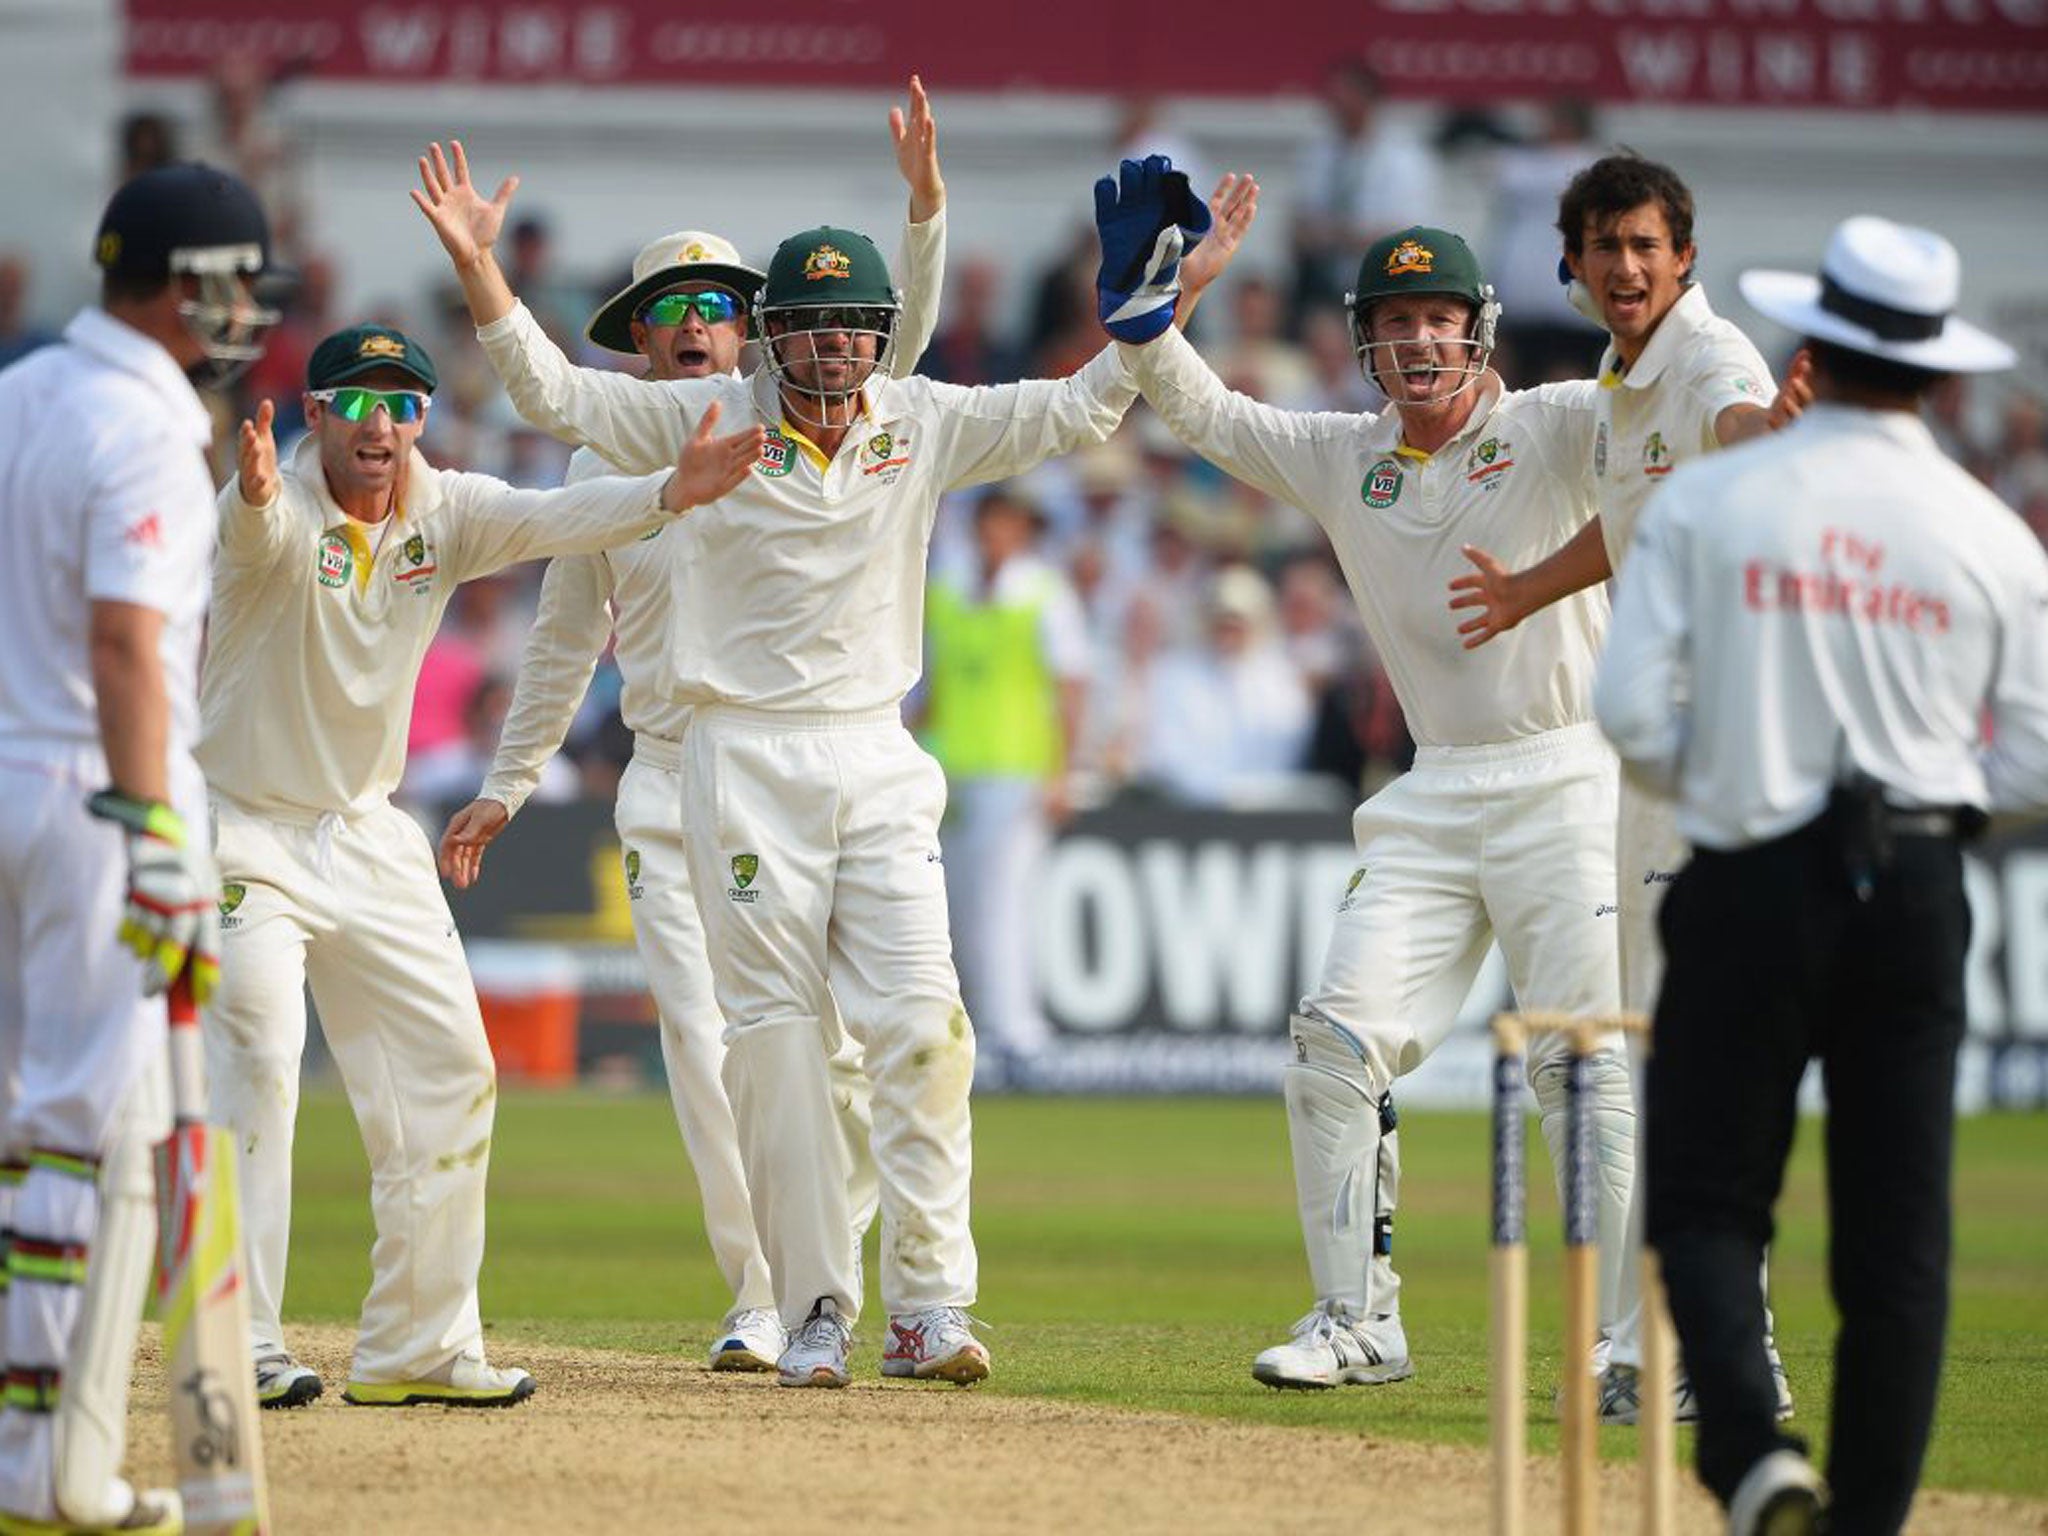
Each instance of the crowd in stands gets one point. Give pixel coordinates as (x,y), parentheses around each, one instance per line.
(1229,667)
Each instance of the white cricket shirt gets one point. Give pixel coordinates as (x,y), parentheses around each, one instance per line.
(1837,596)
(105,495)
(320,623)
(804,589)
(1659,412)
(626,592)
(1514,481)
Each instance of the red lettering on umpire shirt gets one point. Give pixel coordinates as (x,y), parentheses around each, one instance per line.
(1768,588)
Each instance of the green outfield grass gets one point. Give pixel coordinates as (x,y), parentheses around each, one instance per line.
(1139,1253)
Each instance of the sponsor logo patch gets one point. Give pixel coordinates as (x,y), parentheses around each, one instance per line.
(415,567)
(1351,890)
(744,867)
(885,454)
(232,893)
(1600,450)
(1656,456)
(1382,487)
(1489,461)
(336,561)
(634,889)
(778,456)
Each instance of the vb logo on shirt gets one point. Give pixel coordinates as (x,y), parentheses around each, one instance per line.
(1382,486)
(778,456)
(744,867)
(335,561)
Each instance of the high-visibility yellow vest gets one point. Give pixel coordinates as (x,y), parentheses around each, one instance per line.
(991,698)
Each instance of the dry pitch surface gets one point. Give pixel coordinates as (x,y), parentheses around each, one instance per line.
(628,1443)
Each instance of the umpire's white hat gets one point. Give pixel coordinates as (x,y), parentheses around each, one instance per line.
(1884,289)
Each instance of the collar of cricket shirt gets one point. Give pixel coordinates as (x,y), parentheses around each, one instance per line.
(119,344)
(1674,333)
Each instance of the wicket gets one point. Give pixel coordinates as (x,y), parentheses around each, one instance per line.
(1509,1290)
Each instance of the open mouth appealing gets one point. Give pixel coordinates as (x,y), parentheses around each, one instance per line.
(1627,303)
(375,456)
(692,357)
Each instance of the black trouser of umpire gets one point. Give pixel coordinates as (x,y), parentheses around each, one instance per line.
(1773,958)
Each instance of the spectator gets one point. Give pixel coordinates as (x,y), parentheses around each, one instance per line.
(1258,359)
(1228,720)
(446,775)
(1359,180)
(18,337)
(968,348)
(2022,473)
(148,140)
(1542,337)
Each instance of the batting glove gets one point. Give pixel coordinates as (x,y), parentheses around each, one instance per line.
(171,921)
(1148,217)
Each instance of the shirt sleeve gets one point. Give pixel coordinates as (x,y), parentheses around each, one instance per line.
(1267,448)
(1728,372)
(499,525)
(1000,430)
(561,651)
(921,274)
(2016,758)
(1637,689)
(251,536)
(639,424)
(145,499)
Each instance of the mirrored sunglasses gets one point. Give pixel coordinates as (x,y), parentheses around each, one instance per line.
(712,306)
(351,403)
(841,318)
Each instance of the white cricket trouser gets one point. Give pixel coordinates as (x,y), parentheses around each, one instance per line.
(1511,842)
(83,1066)
(354,907)
(995,837)
(1650,853)
(670,936)
(813,845)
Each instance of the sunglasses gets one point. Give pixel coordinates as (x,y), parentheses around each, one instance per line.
(712,306)
(351,403)
(830,318)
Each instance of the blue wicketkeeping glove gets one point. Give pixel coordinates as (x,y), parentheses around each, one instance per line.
(1148,217)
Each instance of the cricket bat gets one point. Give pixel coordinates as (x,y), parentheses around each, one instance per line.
(204,1304)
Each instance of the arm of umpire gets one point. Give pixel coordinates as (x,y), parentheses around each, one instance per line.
(1637,690)
(2016,754)
(639,424)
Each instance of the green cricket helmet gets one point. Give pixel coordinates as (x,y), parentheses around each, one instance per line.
(1420,260)
(824,283)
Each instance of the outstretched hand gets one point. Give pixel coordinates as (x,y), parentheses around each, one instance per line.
(1795,391)
(917,153)
(1492,589)
(1232,208)
(467,221)
(709,467)
(257,457)
(470,831)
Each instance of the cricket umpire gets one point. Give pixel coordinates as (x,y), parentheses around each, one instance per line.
(1862,632)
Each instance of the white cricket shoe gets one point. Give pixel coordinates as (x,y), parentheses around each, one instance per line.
(816,1353)
(464,1382)
(1332,1348)
(1621,1395)
(281,1382)
(1780,1496)
(753,1341)
(937,1344)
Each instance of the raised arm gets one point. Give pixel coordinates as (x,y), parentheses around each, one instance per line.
(920,270)
(252,524)
(639,424)
(1233,206)
(1502,598)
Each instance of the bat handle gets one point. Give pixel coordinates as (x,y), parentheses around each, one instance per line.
(188,1062)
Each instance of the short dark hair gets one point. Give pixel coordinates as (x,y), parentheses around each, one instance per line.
(1864,372)
(129,288)
(1614,184)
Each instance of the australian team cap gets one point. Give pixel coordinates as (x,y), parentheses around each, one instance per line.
(827,266)
(1885,289)
(363,349)
(1418,259)
(687,256)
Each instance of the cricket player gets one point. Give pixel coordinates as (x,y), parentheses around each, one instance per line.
(332,577)
(1677,381)
(1833,647)
(1503,828)
(106,888)
(687,312)
(811,816)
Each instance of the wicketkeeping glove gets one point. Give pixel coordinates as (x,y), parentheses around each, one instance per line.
(1148,217)
(172,917)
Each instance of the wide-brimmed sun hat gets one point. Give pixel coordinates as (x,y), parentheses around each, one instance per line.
(1884,289)
(687,256)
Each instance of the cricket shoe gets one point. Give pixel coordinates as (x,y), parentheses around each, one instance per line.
(937,1344)
(1780,1496)
(753,1341)
(464,1382)
(281,1382)
(1332,1348)
(155,1512)
(816,1354)
(1621,1395)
